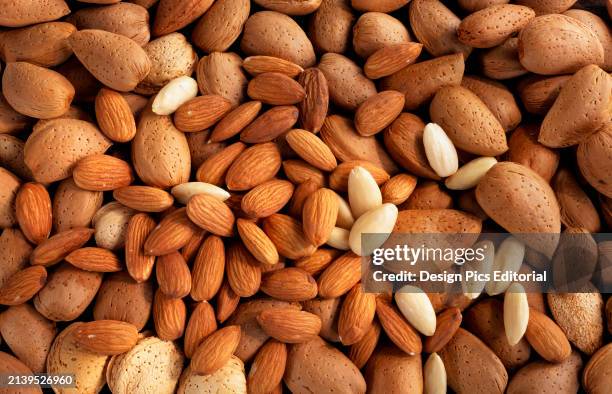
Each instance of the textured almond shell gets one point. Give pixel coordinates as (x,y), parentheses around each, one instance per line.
(348,87)
(29,12)
(222,74)
(390,370)
(595,161)
(375,30)
(221,25)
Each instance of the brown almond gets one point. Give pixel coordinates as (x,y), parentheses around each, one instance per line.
(267,198)
(144,198)
(201,324)
(201,112)
(214,351)
(312,149)
(114,116)
(235,121)
(577,209)
(398,188)
(23,285)
(268,367)
(356,315)
(447,324)
(57,247)
(313,108)
(255,165)
(299,171)
(169,315)
(270,124)
(138,264)
(319,215)
(173,15)
(378,112)
(275,89)
(171,234)
(213,170)
(173,276)
(257,242)
(289,284)
(525,149)
(227,302)
(289,325)
(102,173)
(318,261)
(33,212)
(340,276)
(287,235)
(397,328)
(257,65)
(109,337)
(211,214)
(208,269)
(242,270)
(547,338)
(361,351)
(338,180)
(95,260)
(390,59)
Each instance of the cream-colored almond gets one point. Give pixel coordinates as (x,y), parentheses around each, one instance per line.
(379,220)
(417,309)
(470,173)
(345,217)
(363,192)
(176,93)
(185,191)
(339,238)
(110,223)
(434,375)
(508,257)
(440,151)
(516,313)
(472,288)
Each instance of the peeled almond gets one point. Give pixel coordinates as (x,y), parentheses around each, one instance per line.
(339,238)
(417,309)
(473,288)
(363,191)
(434,375)
(345,217)
(185,191)
(176,93)
(509,257)
(379,220)
(469,174)
(516,313)
(440,151)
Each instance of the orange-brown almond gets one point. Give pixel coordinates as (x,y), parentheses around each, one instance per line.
(214,351)
(169,315)
(267,198)
(108,337)
(144,198)
(318,261)
(211,214)
(55,248)
(360,352)
(397,328)
(257,242)
(313,108)
(114,116)
(577,209)
(243,271)
(398,188)
(173,15)
(33,212)
(340,276)
(392,58)
(338,180)
(173,276)
(235,121)
(268,367)
(275,89)
(289,325)
(253,166)
(302,191)
(525,149)
(208,269)
(287,235)
(227,302)
(312,149)
(319,215)
(201,112)
(256,65)
(547,338)
(538,93)
(138,264)
(271,124)
(447,324)
(23,285)
(201,324)
(102,173)
(378,112)
(171,234)
(356,315)
(289,284)
(213,170)
(595,377)
(95,259)
(491,26)
(298,171)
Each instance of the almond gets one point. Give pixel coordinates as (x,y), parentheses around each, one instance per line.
(291,7)
(213,170)
(340,276)
(11,156)
(592,160)
(94,259)
(143,198)
(44,45)
(440,151)
(114,60)
(338,179)
(361,351)
(417,309)
(563,377)
(525,149)
(319,215)
(254,166)
(215,350)
(398,189)
(267,198)
(594,378)
(497,98)
(174,94)
(102,173)
(447,324)
(227,302)
(516,313)
(139,265)
(310,148)
(331,26)
(302,191)
(356,315)
(11,120)
(547,7)
(317,262)
(577,210)
(502,62)
(348,87)
(375,30)
(211,214)
(173,15)
(232,371)
(289,284)
(289,325)
(313,107)
(57,247)
(363,192)
(33,212)
(436,26)
(110,224)
(31,12)
(378,112)
(243,271)
(287,235)
(221,25)
(428,195)
(171,234)
(470,173)
(538,93)
(270,124)
(547,338)
(201,112)
(169,315)
(73,206)
(235,121)
(391,58)
(23,285)
(26,86)
(173,275)
(201,324)
(287,42)
(298,171)
(268,367)
(107,337)
(221,74)
(208,269)
(438,221)
(257,242)
(397,329)
(185,191)
(276,89)
(434,374)
(485,29)
(114,116)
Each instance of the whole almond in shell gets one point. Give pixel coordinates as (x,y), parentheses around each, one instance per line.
(538,54)
(525,149)
(538,93)
(291,7)
(288,41)
(390,59)
(315,365)
(491,26)
(428,195)
(257,164)
(547,6)
(601,30)
(114,60)
(216,350)
(577,209)
(54,147)
(74,207)
(328,311)
(502,61)
(221,25)
(438,221)
(11,156)
(201,112)
(44,45)
(348,87)
(16,249)
(33,212)
(423,79)
(11,120)
(375,30)
(544,377)
(389,369)
(270,124)
(595,379)
(221,74)
(31,12)
(497,98)
(518,211)
(593,160)
(331,25)
(110,223)
(289,325)
(173,15)
(435,26)
(26,86)
(289,284)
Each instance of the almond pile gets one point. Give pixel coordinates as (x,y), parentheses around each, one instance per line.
(184,186)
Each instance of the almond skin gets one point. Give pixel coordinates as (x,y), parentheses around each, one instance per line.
(33,212)
(23,285)
(201,113)
(221,25)
(144,198)
(211,214)
(54,249)
(340,276)
(319,215)
(171,234)
(139,265)
(310,148)
(114,60)
(114,116)
(538,93)
(289,284)
(289,325)
(361,351)
(201,324)
(94,259)
(287,235)
(397,328)
(169,315)
(102,173)
(213,170)
(330,28)
(390,59)
(173,15)
(235,121)
(356,315)
(268,367)
(378,112)
(257,65)
(215,350)
(348,87)
(173,276)
(594,378)
(26,86)
(243,271)
(577,210)
(107,337)
(275,89)
(547,338)
(257,242)
(270,124)
(208,269)
(491,26)
(254,166)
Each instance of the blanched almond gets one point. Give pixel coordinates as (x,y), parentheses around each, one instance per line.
(440,151)
(379,221)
